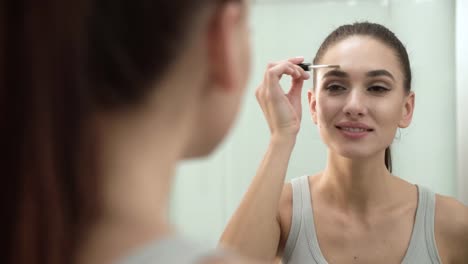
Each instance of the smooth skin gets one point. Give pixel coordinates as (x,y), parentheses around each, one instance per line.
(355,198)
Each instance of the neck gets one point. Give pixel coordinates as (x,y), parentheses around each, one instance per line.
(137,156)
(356,184)
(138,151)
(137,175)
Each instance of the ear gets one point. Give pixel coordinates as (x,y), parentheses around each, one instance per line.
(222,45)
(408,110)
(312,105)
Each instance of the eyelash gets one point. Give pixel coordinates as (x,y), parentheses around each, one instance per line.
(378,89)
(334,88)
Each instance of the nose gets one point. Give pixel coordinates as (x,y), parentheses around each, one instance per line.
(355,106)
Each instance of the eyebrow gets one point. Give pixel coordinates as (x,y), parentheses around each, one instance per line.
(378,73)
(336,73)
(374,73)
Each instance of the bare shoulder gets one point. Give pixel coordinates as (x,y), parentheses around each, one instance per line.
(451,229)
(451,217)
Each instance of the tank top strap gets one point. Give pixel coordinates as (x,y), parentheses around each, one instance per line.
(303,220)
(308,218)
(429,222)
(422,238)
(296,220)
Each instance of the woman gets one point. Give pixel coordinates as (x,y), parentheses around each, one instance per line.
(355,210)
(99,101)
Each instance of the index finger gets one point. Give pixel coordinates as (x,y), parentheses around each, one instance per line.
(296,60)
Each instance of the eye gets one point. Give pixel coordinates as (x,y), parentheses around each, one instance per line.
(378,89)
(334,88)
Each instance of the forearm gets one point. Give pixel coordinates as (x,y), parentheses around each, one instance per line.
(254,230)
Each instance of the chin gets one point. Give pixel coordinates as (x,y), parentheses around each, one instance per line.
(208,135)
(198,154)
(354,152)
(201,148)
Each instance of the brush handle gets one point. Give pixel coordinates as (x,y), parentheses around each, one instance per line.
(305,66)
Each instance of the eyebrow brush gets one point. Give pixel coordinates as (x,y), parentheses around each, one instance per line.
(308,66)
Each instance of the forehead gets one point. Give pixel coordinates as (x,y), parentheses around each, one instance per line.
(360,54)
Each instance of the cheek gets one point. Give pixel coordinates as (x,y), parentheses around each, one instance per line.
(388,114)
(327,110)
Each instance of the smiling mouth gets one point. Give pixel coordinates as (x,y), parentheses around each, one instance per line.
(355,129)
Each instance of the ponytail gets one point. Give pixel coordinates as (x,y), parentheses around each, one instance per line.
(388,159)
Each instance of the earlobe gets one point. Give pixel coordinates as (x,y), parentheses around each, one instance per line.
(408,110)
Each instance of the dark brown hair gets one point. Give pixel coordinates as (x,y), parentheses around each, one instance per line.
(60,62)
(381,34)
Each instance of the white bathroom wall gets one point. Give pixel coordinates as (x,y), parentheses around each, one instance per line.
(208,191)
(462,97)
(426,151)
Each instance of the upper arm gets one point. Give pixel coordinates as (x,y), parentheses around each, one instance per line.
(284,216)
(451,230)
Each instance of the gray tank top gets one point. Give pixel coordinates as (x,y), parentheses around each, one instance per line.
(302,245)
(173,250)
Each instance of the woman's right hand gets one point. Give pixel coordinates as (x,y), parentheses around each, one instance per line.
(255,228)
(283,112)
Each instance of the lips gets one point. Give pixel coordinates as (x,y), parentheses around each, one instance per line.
(354,127)
(354,130)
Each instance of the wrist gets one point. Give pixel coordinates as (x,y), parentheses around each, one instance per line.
(283,140)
